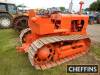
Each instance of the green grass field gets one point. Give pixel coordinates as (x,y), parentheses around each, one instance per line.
(14,63)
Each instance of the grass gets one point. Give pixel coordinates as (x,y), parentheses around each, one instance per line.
(13,63)
(96,49)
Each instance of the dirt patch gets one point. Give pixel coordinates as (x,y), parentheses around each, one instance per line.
(87,59)
(94,32)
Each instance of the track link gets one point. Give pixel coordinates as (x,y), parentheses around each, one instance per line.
(23,32)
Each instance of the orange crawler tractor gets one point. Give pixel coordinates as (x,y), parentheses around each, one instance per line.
(55,38)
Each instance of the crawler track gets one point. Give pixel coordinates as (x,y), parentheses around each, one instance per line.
(41,42)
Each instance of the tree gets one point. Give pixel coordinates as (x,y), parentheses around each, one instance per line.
(62,8)
(95,6)
(21,6)
(98,5)
(86,9)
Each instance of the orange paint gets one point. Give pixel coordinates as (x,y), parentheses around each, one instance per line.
(53,25)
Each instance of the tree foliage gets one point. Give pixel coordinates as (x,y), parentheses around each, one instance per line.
(62,8)
(21,5)
(95,6)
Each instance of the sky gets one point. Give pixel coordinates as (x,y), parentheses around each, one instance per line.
(51,3)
